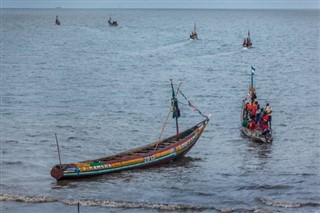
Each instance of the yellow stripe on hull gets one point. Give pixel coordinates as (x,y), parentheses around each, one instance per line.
(130,162)
(164,153)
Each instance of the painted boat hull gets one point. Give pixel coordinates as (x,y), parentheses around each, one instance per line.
(256,135)
(113,24)
(146,156)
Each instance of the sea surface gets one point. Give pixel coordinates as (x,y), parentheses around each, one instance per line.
(104,90)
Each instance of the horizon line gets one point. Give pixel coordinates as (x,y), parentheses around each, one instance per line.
(164,8)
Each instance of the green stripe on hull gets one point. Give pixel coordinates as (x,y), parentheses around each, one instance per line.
(104,171)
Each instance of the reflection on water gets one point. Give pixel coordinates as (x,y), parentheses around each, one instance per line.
(260,150)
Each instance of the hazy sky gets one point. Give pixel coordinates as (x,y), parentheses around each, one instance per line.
(243,4)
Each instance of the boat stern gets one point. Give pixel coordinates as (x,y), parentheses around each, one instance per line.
(57,172)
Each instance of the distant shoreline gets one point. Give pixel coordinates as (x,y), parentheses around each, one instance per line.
(61,8)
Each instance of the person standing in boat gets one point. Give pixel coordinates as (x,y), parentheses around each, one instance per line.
(254,109)
(248,109)
(252,125)
(253,95)
(265,128)
(268,111)
(57,21)
(258,114)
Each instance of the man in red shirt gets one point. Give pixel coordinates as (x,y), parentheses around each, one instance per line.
(254,110)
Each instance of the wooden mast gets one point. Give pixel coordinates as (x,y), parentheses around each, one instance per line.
(58,148)
(176,110)
(252,90)
(172,108)
(251,77)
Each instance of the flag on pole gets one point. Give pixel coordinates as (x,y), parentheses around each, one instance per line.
(252,70)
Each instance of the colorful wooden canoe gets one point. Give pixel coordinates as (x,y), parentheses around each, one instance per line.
(257,134)
(161,151)
(149,155)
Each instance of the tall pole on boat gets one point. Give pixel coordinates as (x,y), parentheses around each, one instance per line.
(175,108)
(251,79)
(252,88)
(177,129)
(55,134)
(252,74)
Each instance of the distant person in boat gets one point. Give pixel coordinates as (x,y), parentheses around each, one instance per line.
(248,109)
(258,115)
(254,108)
(253,94)
(245,122)
(265,127)
(268,111)
(252,125)
(57,21)
(265,119)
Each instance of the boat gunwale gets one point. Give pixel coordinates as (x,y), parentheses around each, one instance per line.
(124,156)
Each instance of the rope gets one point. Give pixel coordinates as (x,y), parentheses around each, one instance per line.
(162,130)
(192,106)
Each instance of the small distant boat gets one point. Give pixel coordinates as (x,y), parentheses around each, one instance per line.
(57,21)
(112,23)
(247,41)
(257,128)
(194,34)
(159,152)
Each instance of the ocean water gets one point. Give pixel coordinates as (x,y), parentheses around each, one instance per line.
(105,89)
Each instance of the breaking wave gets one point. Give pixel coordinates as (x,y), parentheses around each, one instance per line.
(286,204)
(27,199)
(102,203)
(129,205)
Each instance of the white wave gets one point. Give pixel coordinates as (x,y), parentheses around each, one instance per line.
(27,199)
(146,205)
(287,204)
(101,203)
